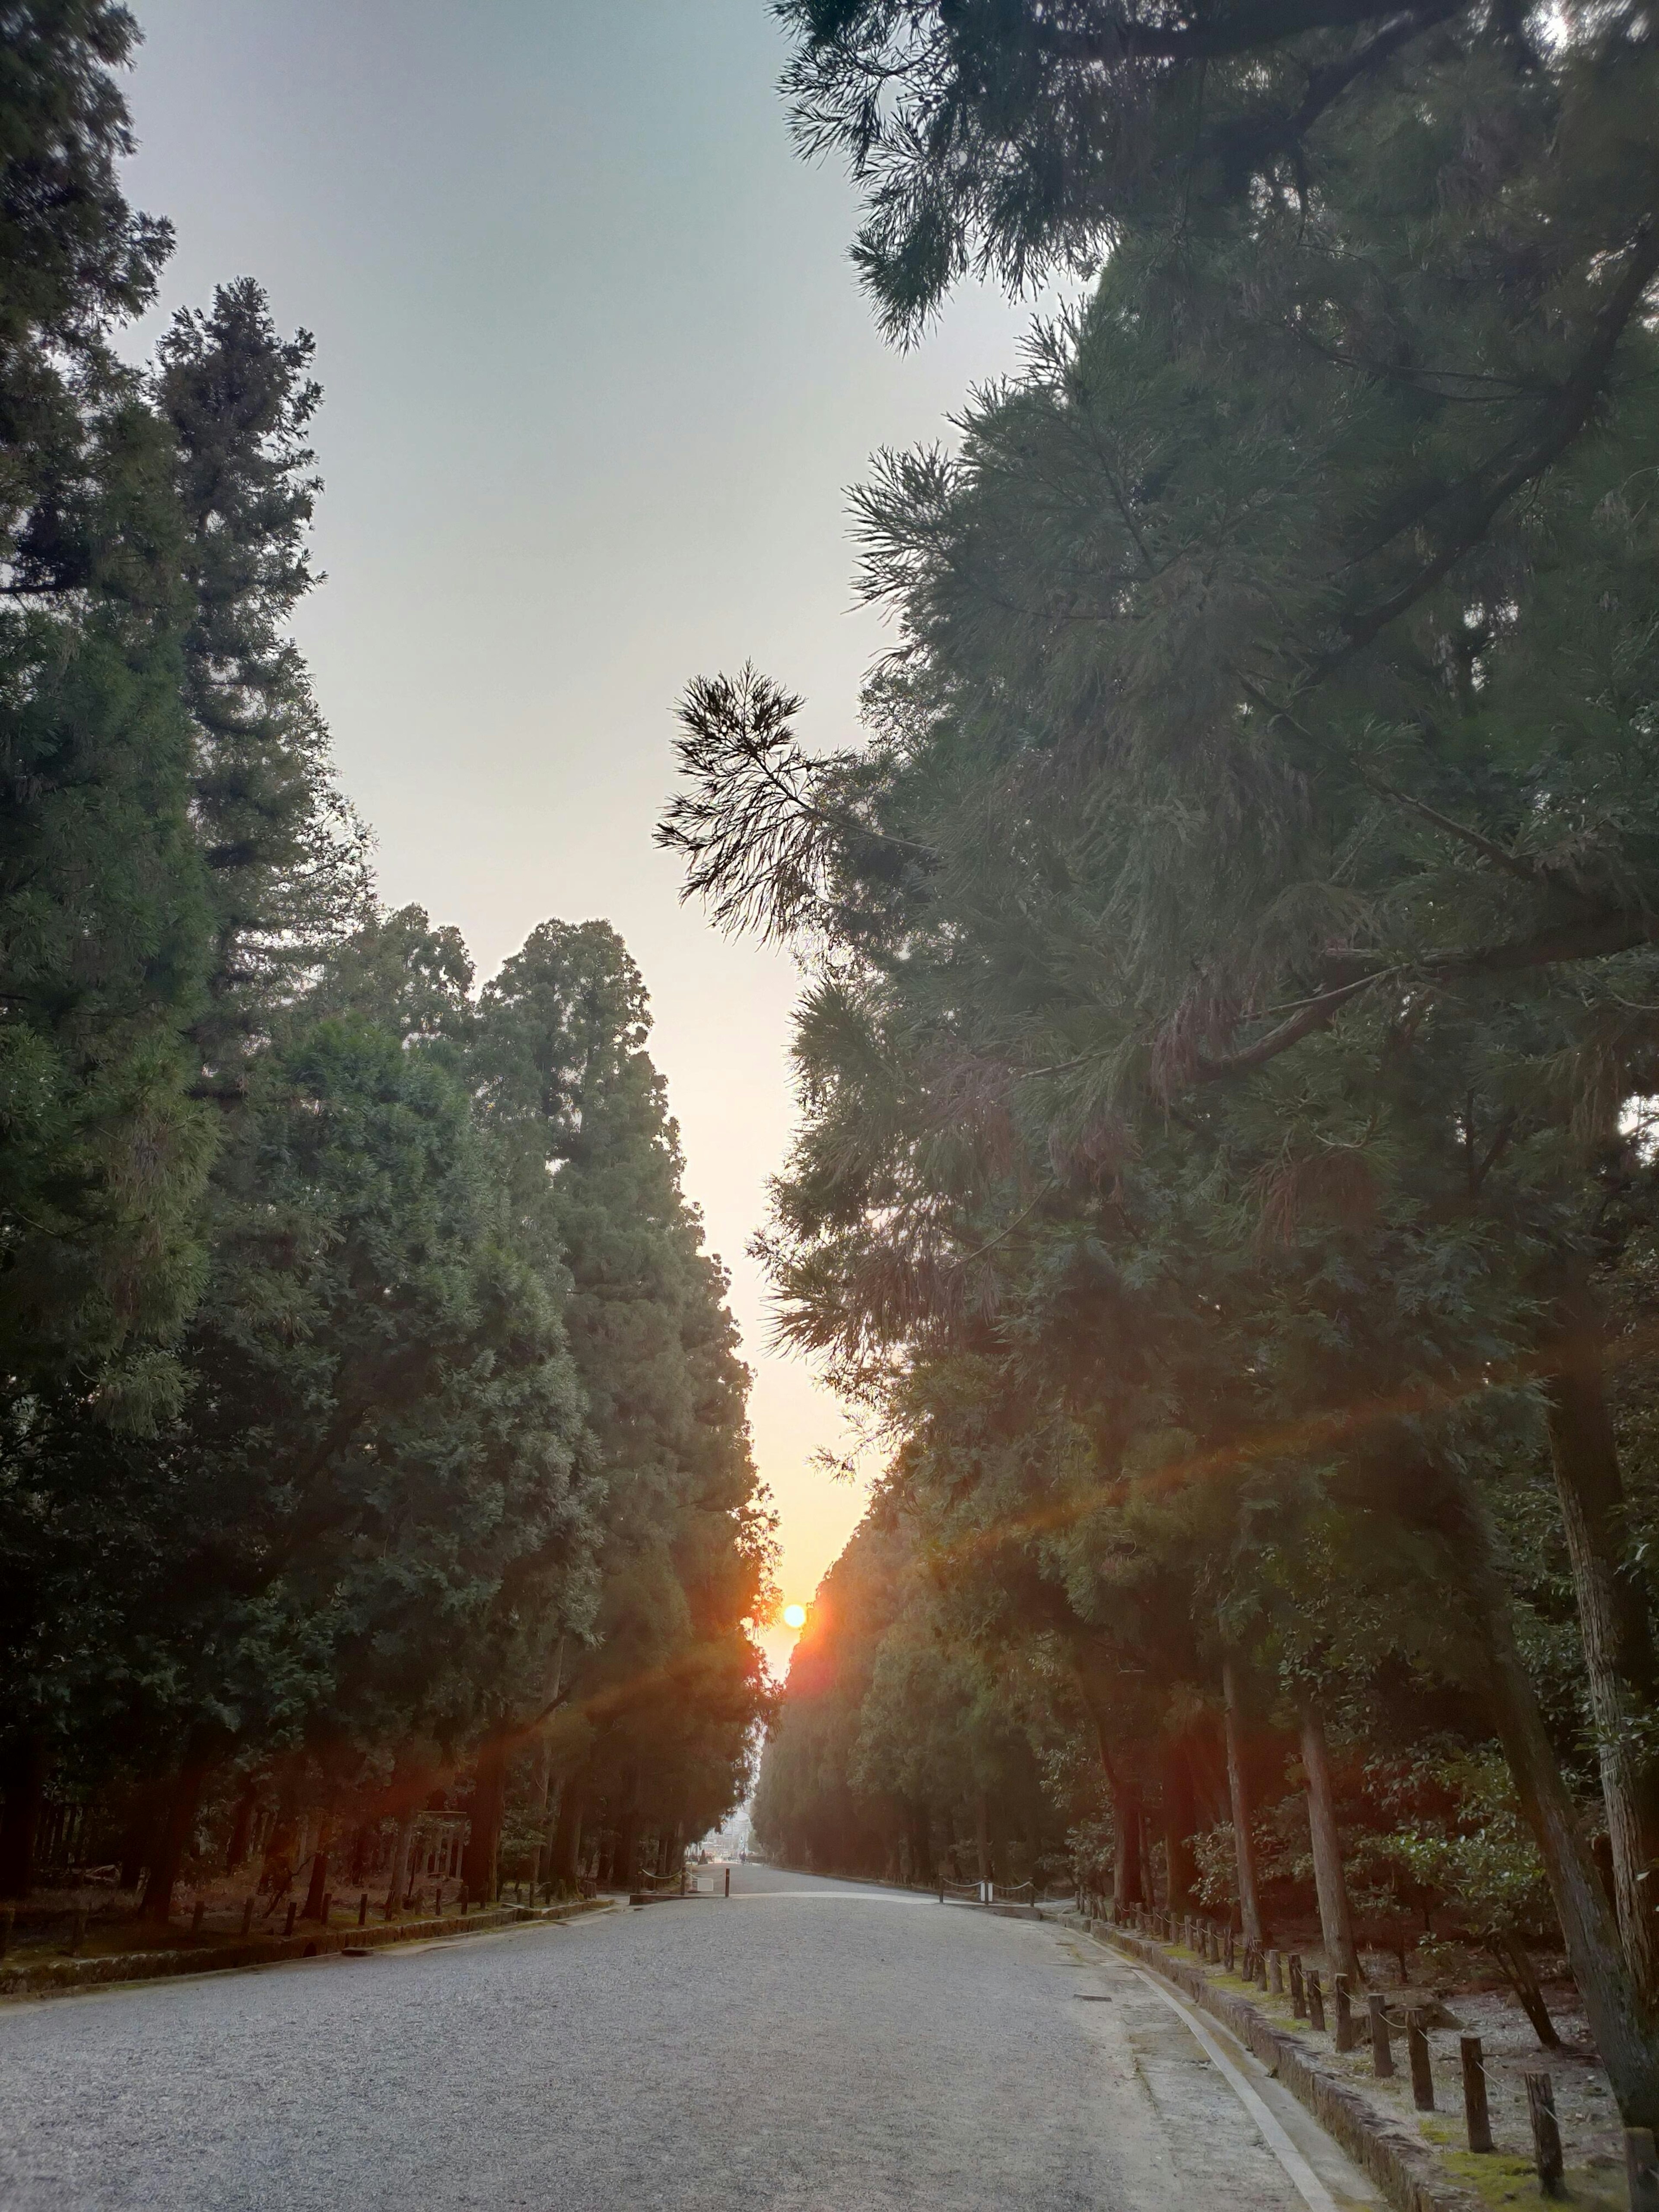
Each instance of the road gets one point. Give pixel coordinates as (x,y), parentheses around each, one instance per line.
(809,2045)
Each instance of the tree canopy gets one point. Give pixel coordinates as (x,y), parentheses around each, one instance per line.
(1222,1167)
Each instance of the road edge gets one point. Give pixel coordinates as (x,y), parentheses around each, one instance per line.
(1403,2166)
(52,1977)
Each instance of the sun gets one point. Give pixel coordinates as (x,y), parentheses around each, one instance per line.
(794,1616)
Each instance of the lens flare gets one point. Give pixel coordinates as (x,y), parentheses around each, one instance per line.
(794,1616)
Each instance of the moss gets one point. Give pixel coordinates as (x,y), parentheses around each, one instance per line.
(1503,2177)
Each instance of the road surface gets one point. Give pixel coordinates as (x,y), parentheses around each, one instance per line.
(809,2045)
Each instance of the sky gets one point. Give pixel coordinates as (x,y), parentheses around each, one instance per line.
(597,376)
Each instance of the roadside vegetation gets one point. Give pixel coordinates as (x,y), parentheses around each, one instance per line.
(1225,1181)
(373,1467)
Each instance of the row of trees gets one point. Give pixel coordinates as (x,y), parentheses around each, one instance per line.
(1225,1173)
(372,1427)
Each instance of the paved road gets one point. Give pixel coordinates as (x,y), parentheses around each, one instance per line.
(810,2045)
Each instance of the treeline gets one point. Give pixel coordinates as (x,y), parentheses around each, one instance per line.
(371,1426)
(1225,1173)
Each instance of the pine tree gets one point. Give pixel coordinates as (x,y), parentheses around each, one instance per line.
(103,906)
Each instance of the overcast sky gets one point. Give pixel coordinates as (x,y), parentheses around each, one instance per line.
(598,375)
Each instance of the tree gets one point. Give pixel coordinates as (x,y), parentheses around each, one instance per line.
(1225,940)
(102,894)
(670,1686)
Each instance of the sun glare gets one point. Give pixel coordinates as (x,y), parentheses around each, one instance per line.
(794,1616)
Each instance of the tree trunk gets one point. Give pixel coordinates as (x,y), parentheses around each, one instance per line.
(139,1836)
(241,1827)
(318,1887)
(627,1869)
(484,1843)
(1613,1618)
(1129,1854)
(921,1841)
(568,1836)
(1178,1825)
(1335,1921)
(397,1880)
(1128,1860)
(1623,2027)
(1239,1793)
(173,1842)
(25,1779)
(1512,1955)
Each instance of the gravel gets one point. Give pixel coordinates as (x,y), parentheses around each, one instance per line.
(805,2045)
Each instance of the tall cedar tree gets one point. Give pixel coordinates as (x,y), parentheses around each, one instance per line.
(1244,910)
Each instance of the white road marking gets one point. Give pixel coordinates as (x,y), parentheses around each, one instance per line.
(1307,2184)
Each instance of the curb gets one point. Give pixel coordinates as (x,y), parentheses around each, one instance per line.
(50,1978)
(1402,2166)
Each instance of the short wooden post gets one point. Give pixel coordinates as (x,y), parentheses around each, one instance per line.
(363,1909)
(1546,2133)
(1231,1953)
(77,1932)
(1316,1989)
(328,1907)
(1261,1977)
(1641,2169)
(1298,1988)
(1344,2014)
(288,1925)
(1275,1974)
(8,1923)
(1417,2045)
(197,1910)
(728,1887)
(1476,2118)
(247,1914)
(1381,2049)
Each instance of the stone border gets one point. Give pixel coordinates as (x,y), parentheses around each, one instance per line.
(1400,2163)
(48,1977)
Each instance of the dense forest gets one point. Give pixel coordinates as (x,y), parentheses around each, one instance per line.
(1225,1181)
(373,1463)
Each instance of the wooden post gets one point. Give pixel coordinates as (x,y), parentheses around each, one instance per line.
(1299,1990)
(328,1907)
(1344,2014)
(363,1909)
(288,1925)
(1417,2044)
(1545,2134)
(1275,1974)
(7,1922)
(1641,2169)
(728,1886)
(1475,2117)
(1315,2001)
(1261,1970)
(247,1914)
(1231,1954)
(196,1913)
(77,1932)
(1381,2049)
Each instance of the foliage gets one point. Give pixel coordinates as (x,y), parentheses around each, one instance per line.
(371,1429)
(1230,986)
